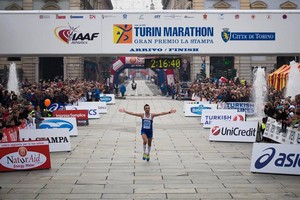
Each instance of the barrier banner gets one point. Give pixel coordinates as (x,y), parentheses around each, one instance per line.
(29,155)
(247,107)
(80,115)
(209,116)
(274,132)
(102,107)
(58,140)
(238,131)
(191,102)
(195,108)
(108,98)
(57,123)
(275,158)
(93,112)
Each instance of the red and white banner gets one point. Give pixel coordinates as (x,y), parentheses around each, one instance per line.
(59,140)
(11,134)
(239,131)
(80,115)
(209,116)
(15,156)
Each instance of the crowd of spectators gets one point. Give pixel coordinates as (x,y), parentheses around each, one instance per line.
(215,90)
(16,109)
(285,110)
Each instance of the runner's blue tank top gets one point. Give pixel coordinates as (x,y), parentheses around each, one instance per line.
(147,123)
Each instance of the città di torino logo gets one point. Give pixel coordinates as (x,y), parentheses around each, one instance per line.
(73,35)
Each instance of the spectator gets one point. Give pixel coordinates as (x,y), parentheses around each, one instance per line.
(123,90)
(38,116)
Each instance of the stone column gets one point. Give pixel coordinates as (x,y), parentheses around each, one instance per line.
(27,4)
(30,66)
(75,5)
(198,4)
(245,4)
(73,67)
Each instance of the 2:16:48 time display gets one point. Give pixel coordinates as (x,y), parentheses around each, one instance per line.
(163,63)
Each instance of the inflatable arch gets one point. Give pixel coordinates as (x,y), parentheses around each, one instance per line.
(123,63)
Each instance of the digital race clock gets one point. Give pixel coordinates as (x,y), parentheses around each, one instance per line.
(163,63)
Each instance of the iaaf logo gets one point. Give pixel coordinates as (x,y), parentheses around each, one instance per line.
(283,160)
(235,131)
(70,35)
(23,159)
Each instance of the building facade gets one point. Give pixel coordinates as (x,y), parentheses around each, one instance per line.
(232,65)
(49,68)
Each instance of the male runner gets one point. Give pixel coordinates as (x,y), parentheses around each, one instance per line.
(147,129)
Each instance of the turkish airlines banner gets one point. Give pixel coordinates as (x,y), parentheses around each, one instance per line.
(209,116)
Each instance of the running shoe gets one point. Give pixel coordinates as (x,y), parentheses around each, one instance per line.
(147,157)
(144,156)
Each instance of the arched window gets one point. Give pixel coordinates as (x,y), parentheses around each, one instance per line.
(50,6)
(288,5)
(258,5)
(14,6)
(222,5)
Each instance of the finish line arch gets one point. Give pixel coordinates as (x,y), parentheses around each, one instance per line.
(99,32)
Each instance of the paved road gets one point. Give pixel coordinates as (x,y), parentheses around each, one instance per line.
(105,162)
(144,88)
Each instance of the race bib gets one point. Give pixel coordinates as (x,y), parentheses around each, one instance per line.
(147,124)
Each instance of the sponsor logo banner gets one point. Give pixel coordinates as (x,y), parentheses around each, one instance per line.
(74,35)
(247,107)
(15,156)
(195,109)
(192,102)
(108,98)
(57,123)
(80,115)
(102,108)
(247,36)
(58,140)
(274,132)
(93,112)
(209,116)
(239,131)
(275,158)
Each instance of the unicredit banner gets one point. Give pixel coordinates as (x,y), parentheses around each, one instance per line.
(152,32)
(238,131)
